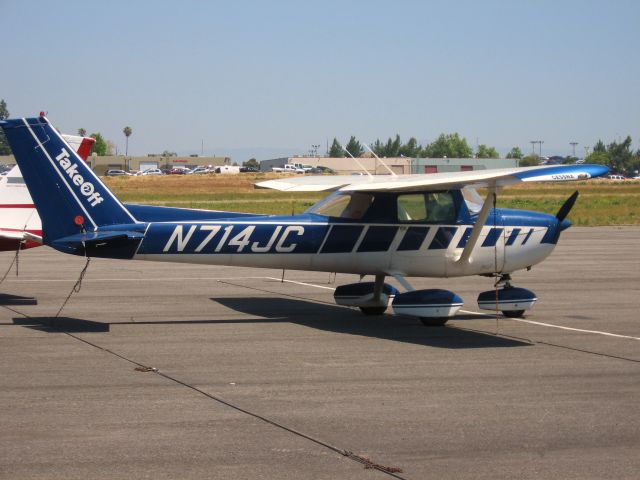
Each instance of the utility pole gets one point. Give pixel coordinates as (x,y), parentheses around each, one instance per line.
(573,144)
(540,142)
(533,146)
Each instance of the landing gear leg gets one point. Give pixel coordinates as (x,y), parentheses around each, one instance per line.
(377,293)
(504,281)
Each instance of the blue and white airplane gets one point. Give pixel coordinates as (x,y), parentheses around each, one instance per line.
(387,226)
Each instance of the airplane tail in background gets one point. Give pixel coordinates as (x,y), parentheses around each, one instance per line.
(69,197)
(82,145)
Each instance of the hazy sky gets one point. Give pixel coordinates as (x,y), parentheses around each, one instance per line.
(263,78)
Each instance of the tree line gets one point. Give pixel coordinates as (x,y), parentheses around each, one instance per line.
(449,145)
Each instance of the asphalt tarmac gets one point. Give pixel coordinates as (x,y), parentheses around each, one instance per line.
(159,370)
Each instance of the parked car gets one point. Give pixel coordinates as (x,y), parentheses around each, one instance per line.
(152,171)
(288,168)
(249,170)
(179,171)
(200,170)
(320,170)
(4,169)
(616,177)
(116,173)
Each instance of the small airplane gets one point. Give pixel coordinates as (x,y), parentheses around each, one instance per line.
(20,226)
(433,225)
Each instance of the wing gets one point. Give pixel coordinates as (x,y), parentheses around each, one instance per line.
(437,181)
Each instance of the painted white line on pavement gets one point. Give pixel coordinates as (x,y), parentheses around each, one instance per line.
(300,283)
(542,324)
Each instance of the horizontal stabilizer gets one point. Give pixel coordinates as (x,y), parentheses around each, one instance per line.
(22,235)
(99,237)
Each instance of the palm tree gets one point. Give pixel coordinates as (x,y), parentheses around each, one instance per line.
(127,133)
(82,132)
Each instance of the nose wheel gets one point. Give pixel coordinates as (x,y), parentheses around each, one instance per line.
(511,301)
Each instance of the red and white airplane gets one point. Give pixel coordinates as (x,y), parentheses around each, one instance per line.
(20,225)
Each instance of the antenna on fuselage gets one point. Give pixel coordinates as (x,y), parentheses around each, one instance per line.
(378,158)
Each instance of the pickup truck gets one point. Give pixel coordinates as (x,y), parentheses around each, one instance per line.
(288,168)
(306,168)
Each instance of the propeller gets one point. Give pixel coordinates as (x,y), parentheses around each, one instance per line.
(567,206)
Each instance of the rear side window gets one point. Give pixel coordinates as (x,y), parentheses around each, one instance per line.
(351,206)
(431,207)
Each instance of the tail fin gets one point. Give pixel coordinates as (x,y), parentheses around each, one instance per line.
(69,197)
(82,145)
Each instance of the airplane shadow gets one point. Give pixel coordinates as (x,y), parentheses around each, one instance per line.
(350,321)
(8,299)
(309,314)
(62,324)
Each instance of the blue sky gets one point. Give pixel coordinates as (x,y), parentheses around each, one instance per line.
(268,78)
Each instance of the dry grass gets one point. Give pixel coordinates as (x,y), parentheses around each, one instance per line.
(601,202)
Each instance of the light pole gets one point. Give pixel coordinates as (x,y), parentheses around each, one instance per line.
(315,149)
(541,142)
(573,144)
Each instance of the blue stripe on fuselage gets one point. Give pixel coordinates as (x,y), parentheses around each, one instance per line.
(342,238)
(377,239)
(207,233)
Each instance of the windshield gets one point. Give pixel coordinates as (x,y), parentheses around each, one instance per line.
(473,200)
(343,205)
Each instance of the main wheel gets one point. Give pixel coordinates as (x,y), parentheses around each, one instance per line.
(513,313)
(434,321)
(373,310)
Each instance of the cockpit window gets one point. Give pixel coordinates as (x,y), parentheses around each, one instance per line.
(352,206)
(427,207)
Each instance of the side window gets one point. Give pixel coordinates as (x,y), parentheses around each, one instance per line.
(357,206)
(432,207)
(440,207)
(412,208)
(351,206)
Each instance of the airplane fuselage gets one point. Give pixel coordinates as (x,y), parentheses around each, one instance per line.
(318,243)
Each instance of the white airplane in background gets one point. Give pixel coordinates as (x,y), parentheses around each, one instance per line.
(20,225)
(386,226)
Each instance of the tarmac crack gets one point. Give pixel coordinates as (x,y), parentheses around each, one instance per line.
(366,462)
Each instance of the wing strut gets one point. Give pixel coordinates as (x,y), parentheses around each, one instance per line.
(403,281)
(489,203)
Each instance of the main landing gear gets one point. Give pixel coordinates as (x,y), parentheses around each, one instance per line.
(433,307)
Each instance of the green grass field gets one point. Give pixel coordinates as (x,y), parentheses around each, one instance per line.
(601,202)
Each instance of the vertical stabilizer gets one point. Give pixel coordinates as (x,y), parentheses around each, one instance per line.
(69,197)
